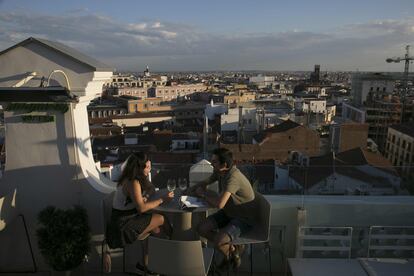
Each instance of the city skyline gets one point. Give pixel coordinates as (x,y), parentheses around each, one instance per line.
(241,35)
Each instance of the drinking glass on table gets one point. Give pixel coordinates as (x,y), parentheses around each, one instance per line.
(182,184)
(171,185)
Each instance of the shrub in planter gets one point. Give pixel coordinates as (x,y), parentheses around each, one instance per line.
(64,237)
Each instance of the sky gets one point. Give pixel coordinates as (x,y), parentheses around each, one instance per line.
(184,35)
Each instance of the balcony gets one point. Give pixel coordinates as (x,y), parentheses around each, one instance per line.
(328,209)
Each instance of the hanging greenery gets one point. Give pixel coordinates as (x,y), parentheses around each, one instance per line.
(30,107)
(38,118)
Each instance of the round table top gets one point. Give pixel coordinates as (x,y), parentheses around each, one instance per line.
(174,206)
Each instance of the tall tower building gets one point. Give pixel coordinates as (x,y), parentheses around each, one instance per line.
(315,75)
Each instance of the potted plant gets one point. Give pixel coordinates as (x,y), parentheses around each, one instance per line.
(64,237)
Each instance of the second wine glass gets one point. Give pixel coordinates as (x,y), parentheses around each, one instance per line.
(171,185)
(182,184)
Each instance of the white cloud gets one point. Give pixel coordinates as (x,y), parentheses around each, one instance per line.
(138,27)
(170,46)
(157,25)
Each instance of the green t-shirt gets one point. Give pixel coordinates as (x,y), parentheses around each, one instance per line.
(241,191)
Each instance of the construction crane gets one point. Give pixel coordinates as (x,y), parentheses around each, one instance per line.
(404,92)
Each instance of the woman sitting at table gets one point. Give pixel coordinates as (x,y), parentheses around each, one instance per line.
(131,217)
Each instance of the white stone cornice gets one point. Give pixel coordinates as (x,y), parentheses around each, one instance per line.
(81,132)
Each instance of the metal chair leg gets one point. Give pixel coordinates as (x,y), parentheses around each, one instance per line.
(123,260)
(30,244)
(251,259)
(102,256)
(270,258)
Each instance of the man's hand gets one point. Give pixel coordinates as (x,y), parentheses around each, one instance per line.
(168,197)
(192,191)
(189,191)
(200,191)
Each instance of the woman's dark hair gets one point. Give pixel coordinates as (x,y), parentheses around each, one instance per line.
(224,156)
(134,169)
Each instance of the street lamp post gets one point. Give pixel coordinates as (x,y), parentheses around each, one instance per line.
(404,92)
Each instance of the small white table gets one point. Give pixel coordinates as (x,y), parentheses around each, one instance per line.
(385,267)
(351,267)
(325,267)
(182,219)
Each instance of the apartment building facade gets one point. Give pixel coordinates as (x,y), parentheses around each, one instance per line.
(174,91)
(137,105)
(237,98)
(400,148)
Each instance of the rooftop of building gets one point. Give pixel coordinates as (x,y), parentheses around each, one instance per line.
(345,163)
(282,127)
(65,50)
(52,162)
(406,128)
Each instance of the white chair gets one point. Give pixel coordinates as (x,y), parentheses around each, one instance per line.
(184,258)
(8,215)
(391,241)
(324,240)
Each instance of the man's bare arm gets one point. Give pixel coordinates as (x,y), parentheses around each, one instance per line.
(218,201)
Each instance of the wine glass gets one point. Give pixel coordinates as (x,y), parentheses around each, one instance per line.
(171,185)
(182,184)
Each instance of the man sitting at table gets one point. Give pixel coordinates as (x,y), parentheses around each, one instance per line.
(234,217)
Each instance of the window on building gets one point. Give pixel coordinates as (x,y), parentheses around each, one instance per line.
(398,142)
(408,146)
(393,138)
(403,144)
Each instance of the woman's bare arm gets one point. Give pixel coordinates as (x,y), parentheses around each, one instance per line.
(135,192)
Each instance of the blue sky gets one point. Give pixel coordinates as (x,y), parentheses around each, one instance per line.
(219,35)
